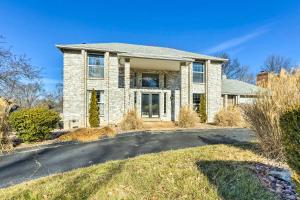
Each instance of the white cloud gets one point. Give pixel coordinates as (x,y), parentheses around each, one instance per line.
(236,41)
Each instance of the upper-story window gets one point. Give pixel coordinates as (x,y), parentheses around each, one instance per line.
(150,80)
(198,72)
(96,66)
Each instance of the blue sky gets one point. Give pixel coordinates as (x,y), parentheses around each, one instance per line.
(248,30)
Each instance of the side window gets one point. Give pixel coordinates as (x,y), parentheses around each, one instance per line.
(96,66)
(196,101)
(198,72)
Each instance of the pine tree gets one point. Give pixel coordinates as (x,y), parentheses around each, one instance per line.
(202,109)
(94,111)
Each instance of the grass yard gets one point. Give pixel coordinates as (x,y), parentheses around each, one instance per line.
(208,172)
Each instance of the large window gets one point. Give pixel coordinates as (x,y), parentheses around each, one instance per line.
(150,80)
(196,101)
(100,100)
(198,72)
(96,66)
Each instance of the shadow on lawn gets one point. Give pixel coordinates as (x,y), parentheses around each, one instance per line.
(221,139)
(234,180)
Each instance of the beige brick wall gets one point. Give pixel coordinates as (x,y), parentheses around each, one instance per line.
(214,98)
(74,95)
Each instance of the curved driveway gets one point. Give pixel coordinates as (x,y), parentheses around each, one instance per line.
(50,159)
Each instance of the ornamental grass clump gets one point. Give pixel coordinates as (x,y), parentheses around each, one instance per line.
(230,116)
(131,121)
(187,117)
(282,93)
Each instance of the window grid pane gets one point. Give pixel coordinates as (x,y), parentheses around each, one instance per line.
(96,66)
(198,72)
(196,101)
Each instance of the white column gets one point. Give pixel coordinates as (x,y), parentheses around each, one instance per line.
(126,84)
(225,101)
(184,84)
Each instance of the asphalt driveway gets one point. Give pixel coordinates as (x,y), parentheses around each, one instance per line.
(50,159)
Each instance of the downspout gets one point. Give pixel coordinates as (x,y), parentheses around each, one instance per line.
(108,79)
(83,52)
(206,84)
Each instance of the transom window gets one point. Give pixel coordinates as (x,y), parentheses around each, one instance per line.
(150,80)
(96,66)
(198,72)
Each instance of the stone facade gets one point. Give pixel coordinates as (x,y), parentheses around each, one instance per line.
(120,94)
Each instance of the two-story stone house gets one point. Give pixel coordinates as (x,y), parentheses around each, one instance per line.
(156,81)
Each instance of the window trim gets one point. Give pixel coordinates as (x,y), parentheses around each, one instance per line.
(157,74)
(199,72)
(88,65)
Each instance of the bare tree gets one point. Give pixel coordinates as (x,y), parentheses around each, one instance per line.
(274,63)
(234,70)
(53,100)
(13,70)
(29,94)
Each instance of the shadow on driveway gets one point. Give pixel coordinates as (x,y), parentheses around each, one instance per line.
(34,163)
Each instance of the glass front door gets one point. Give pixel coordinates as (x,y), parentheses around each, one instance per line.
(150,105)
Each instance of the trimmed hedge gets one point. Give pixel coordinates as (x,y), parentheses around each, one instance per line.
(94,111)
(290,126)
(34,124)
(202,109)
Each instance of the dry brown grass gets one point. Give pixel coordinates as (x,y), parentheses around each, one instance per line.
(131,121)
(187,117)
(283,93)
(5,142)
(158,125)
(88,134)
(231,116)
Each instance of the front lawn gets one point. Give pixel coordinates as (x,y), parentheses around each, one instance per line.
(208,172)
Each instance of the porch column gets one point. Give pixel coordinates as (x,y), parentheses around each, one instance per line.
(126,84)
(184,84)
(225,101)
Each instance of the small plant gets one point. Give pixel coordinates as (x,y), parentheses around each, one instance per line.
(34,124)
(94,111)
(230,116)
(290,126)
(131,121)
(187,117)
(202,109)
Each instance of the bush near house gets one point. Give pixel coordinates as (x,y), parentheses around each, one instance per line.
(187,117)
(131,121)
(202,109)
(34,124)
(290,126)
(281,95)
(94,111)
(230,116)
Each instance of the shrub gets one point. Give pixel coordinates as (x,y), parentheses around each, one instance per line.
(187,117)
(94,111)
(281,94)
(230,116)
(88,134)
(34,124)
(290,126)
(202,109)
(131,121)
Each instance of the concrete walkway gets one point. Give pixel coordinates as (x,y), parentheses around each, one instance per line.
(33,163)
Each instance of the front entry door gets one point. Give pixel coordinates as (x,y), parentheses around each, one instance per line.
(150,105)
